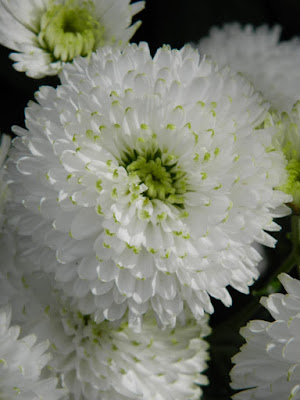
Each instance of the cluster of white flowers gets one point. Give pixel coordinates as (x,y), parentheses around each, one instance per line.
(139,189)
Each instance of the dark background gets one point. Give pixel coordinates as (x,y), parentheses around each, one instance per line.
(176,23)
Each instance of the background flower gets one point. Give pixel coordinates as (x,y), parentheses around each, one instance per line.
(268,364)
(48,33)
(117,363)
(145,181)
(106,361)
(271,66)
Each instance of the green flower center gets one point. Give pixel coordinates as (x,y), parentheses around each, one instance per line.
(67,31)
(292,184)
(160,173)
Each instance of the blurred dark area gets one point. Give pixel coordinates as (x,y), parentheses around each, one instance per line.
(170,22)
(178,22)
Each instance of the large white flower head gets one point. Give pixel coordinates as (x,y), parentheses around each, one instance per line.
(49,33)
(272,66)
(21,364)
(144,182)
(268,364)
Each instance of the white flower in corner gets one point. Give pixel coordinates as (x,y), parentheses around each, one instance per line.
(271,65)
(268,364)
(46,34)
(21,363)
(144,182)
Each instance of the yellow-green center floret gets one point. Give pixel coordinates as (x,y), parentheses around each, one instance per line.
(67,31)
(164,179)
(292,184)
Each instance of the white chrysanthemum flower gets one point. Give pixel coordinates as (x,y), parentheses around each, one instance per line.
(145,181)
(273,67)
(4,147)
(268,364)
(49,33)
(21,363)
(102,361)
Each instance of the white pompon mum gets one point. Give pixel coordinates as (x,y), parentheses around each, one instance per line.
(144,182)
(110,363)
(46,34)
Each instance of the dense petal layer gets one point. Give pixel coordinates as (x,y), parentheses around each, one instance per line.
(147,180)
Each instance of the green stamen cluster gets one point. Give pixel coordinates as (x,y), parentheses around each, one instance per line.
(292,184)
(67,31)
(287,140)
(160,173)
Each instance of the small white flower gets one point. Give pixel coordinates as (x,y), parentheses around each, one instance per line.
(272,66)
(268,364)
(144,182)
(21,364)
(49,33)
